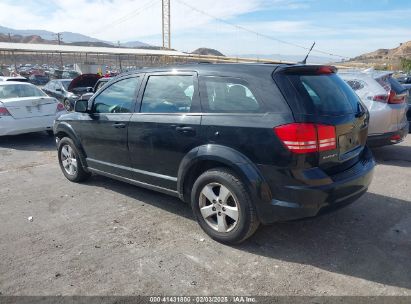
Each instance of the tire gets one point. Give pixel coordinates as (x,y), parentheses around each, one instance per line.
(69,160)
(217,218)
(67,105)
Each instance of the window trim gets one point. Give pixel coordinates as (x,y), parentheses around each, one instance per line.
(241,81)
(195,103)
(112,82)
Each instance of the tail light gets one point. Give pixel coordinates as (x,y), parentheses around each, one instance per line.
(396,99)
(381,98)
(60,107)
(301,138)
(4,111)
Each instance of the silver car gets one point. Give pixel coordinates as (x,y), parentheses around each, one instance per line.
(386,100)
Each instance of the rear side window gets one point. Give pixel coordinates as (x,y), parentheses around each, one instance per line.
(228,95)
(168,94)
(324,94)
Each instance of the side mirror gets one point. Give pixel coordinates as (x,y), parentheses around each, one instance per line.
(81,106)
(90,90)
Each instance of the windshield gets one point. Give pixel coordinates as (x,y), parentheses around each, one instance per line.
(66,84)
(19,90)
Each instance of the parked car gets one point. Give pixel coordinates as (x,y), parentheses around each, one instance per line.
(14,79)
(404,79)
(24,108)
(69,90)
(385,99)
(38,79)
(99,84)
(243,143)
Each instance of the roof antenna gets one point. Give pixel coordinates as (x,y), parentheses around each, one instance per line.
(305,59)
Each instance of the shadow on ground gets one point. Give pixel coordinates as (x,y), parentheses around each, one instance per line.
(370,239)
(39,141)
(395,155)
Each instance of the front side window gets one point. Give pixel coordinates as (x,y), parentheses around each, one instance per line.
(227,95)
(117,98)
(168,94)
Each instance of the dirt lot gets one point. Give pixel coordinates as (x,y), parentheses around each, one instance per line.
(106,237)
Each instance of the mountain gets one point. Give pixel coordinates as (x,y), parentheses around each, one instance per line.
(68,38)
(384,58)
(207,52)
(290,58)
(25,39)
(134,44)
(402,51)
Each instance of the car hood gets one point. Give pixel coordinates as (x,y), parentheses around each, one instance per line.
(84,81)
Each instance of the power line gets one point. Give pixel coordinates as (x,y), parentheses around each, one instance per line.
(257,33)
(126,17)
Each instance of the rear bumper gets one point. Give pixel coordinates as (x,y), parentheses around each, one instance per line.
(11,126)
(308,201)
(390,138)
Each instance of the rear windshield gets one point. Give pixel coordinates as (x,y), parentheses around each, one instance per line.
(66,84)
(325,94)
(20,90)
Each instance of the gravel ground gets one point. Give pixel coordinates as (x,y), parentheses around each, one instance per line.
(106,237)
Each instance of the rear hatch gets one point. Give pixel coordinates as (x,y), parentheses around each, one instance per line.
(323,103)
(83,83)
(25,101)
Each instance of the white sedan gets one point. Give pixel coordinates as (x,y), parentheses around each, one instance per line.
(24,108)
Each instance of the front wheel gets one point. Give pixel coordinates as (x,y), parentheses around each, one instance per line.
(69,160)
(223,207)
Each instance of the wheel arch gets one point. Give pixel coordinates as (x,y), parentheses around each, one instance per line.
(206,157)
(63,129)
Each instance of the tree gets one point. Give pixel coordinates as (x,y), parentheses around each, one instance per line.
(406,64)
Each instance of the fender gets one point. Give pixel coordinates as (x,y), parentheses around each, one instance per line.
(231,158)
(65,127)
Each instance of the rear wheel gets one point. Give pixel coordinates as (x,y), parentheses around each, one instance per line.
(69,160)
(222,206)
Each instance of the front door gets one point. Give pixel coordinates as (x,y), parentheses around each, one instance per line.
(103,132)
(166,128)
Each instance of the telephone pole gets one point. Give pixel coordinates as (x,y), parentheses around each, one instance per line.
(13,54)
(59,40)
(166,24)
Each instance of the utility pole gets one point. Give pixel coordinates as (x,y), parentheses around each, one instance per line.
(13,54)
(59,40)
(166,24)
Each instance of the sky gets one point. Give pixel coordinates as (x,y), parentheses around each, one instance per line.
(345,28)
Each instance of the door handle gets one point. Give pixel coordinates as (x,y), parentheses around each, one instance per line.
(119,125)
(186,130)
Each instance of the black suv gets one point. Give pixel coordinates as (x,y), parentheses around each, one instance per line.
(242,143)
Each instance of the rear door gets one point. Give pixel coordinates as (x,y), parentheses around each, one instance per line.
(318,95)
(165,127)
(26,101)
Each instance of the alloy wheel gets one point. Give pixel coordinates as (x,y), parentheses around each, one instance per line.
(219,207)
(68,159)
